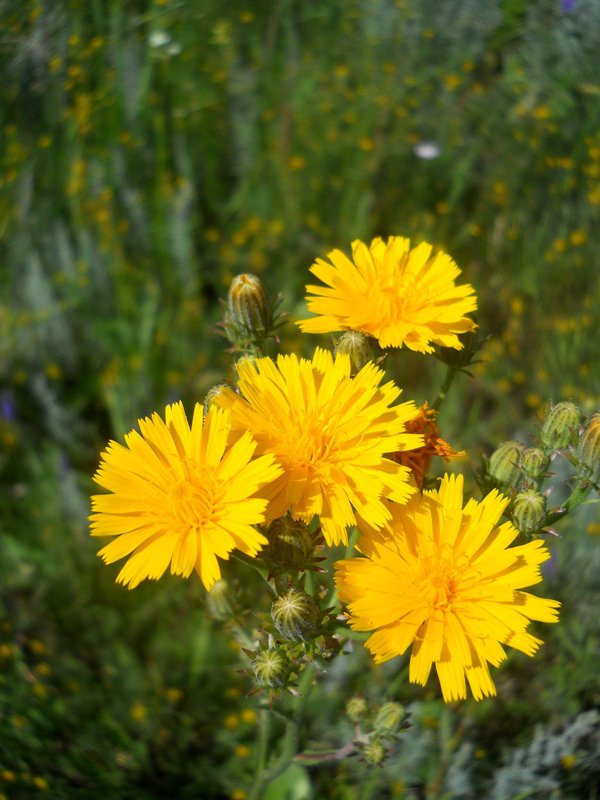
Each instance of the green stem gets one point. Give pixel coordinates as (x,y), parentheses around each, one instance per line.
(445,387)
(577,496)
(289,745)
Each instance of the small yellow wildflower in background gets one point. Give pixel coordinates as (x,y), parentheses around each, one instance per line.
(180,497)
(443,579)
(397,295)
(330,433)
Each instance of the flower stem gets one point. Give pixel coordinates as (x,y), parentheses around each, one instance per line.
(445,387)
(289,741)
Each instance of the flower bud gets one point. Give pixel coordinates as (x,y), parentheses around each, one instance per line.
(290,545)
(220,601)
(588,450)
(529,510)
(212,394)
(357,346)
(249,306)
(373,752)
(389,717)
(534,462)
(560,426)
(296,615)
(356,708)
(504,463)
(270,668)
(471,341)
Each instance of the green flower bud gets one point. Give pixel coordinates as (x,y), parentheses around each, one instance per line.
(529,510)
(374,752)
(504,463)
(296,616)
(220,601)
(534,462)
(472,342)
(249,306)
(389,717)
(560,426)
(356,708)
(357,346)
(290,545)
(212,394)
(270,668)
(588,450)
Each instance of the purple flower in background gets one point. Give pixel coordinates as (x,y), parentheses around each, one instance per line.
(7,406)
(568,5)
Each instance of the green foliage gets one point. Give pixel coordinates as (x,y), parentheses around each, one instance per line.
(152,151)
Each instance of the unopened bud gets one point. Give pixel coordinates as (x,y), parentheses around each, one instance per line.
(212,395)
(504,463)
(389,717)
(471,341)
(356,708)
(588,450)
(560,426)
(290,545)
(529,510)
(220,601)
(296,616)
(534,462)
(357,346)
(270,668)
(249,306)
(373,752)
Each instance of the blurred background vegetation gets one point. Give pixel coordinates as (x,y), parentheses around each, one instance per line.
(149,152)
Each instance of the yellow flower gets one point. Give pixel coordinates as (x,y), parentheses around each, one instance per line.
(180,497)
(330,433)
(398,295)
(446,582)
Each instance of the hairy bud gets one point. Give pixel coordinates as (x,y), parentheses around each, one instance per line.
(296,616)
(534,462)
(249,307)
(357,346)
(588,450)
(270,668)
(529,511)
(356,708)
(560,426)
(505,461)
(290,545)
(389,717)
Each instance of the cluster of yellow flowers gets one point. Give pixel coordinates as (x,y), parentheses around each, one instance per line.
(312,439)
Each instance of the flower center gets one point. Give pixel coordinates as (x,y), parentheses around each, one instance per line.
(306,449)
(192,499)
(440,582)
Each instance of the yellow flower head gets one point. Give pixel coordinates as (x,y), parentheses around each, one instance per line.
(446,582)
(397,295)
(330,433)
(180,496)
